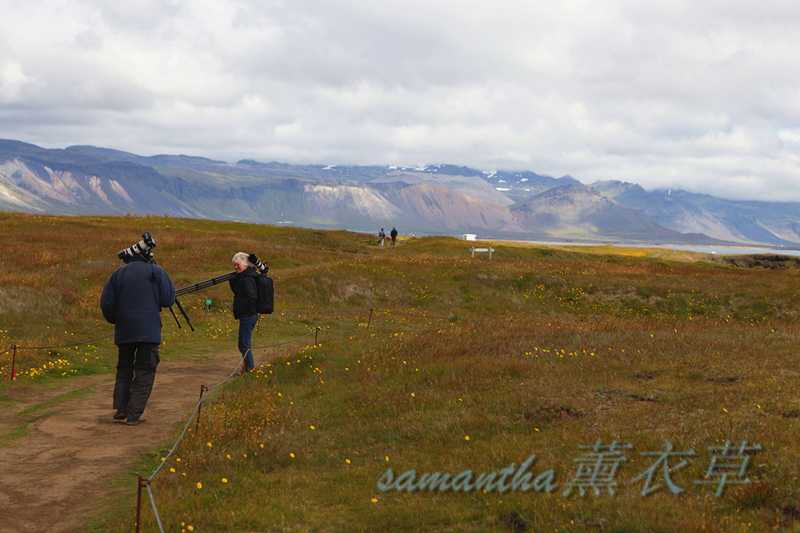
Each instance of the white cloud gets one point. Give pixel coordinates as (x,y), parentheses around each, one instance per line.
(698,95)
(13,82)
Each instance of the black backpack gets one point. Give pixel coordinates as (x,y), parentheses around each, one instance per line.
(265,304)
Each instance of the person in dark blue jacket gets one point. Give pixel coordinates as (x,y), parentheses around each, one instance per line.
(245,297)
(132,299)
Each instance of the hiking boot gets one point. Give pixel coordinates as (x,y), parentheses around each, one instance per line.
(136,422)
(120,415)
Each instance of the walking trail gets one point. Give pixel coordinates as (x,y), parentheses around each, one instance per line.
(58,475)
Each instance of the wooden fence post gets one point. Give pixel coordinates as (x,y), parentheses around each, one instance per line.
(142,483)
(203,390)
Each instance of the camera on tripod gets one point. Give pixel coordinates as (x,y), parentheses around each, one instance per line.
(142,248)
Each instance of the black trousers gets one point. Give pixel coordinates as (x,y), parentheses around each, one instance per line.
(136,371)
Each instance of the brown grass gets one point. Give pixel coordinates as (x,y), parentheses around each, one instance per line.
(540,350)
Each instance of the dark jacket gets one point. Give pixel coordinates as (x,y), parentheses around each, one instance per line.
(245,293)
(393,233)
(132,299)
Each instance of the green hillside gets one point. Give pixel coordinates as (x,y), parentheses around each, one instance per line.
(418,357)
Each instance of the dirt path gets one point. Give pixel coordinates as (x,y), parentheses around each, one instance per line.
(53,478)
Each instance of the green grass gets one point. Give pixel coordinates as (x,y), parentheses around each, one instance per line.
(8,438)
(539,351)
(18,428)
(71,395)
(414,398)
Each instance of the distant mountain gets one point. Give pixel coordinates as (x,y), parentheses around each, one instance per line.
(522,185)
(421,206)
(185,161)
(85,179)
(773,223)
(62,182)
(580,211)
(434,199)
(472,185)
(514,185)
(454,210)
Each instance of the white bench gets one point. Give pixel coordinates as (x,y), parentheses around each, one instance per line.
(489,250)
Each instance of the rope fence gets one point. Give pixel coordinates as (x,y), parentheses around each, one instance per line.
(320,311)
(63,345)
(307,311)
(204,390)
(196,416)
(413,314)
(15,348)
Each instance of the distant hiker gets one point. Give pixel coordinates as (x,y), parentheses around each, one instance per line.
(132,299)
(382,236)
(394,235)
(245,296)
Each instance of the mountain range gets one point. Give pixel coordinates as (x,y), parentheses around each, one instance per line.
(434,199)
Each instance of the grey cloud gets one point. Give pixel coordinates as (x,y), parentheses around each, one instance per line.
(142,16)
(89,40)
(698,95)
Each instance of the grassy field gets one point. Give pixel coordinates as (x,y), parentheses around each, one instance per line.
(596,361)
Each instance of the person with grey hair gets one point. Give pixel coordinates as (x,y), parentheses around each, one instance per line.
(245,296)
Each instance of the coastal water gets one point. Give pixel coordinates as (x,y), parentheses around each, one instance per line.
(714,250)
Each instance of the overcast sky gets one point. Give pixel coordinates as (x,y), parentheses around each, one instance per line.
(702,95)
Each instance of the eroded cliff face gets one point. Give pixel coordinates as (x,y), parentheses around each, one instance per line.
(329,200)
(451,209)
(579,205)
(420,205)
(30,187)
(470,185)
(40,186)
